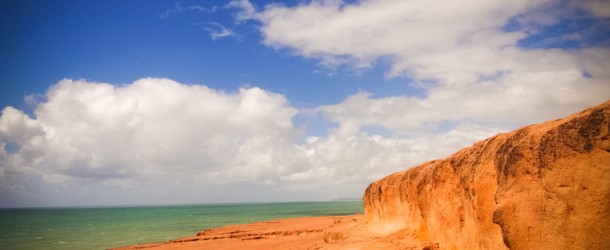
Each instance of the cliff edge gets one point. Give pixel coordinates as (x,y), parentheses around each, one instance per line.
(544,186)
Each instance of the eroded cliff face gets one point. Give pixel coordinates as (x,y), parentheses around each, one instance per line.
(545,186)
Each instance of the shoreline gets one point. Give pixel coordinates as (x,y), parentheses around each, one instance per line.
(324,232)
(300,233)
(113,227)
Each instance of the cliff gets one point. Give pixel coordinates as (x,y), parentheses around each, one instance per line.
(544,186)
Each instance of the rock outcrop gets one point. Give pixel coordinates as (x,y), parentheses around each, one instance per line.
(544,186)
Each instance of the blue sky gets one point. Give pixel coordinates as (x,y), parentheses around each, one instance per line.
(121,41)
(273,101)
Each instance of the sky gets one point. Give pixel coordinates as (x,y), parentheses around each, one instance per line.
(177,102)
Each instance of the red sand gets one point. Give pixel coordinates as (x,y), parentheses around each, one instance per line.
(332,232)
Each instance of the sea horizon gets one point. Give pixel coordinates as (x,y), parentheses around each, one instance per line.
(176,204)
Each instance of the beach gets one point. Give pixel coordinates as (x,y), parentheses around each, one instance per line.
(328,232)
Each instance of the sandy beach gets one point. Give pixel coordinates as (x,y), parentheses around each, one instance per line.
(331,232)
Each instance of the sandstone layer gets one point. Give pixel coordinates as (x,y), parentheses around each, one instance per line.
(544,186)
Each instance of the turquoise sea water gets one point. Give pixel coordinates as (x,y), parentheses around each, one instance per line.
(101,228)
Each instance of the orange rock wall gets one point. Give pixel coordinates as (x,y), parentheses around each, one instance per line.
(545,186)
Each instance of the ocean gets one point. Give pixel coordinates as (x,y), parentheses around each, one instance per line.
(106,227)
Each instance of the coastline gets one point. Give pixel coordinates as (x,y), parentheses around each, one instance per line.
(301,233)
(111,227)
(327,232)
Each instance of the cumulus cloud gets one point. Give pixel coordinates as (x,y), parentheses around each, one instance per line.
(450,42)
(161,136)
(460,53)
(96,130)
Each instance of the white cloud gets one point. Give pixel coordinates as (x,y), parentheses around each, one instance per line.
(458,52)
(216,30)
(369,30)
(157,135)
(453,42)
(155,125)
(18,130)
(246,11)
(178,8)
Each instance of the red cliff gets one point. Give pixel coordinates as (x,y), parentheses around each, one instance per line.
(544,186)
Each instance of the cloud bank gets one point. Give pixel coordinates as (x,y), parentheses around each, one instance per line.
(157,134)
